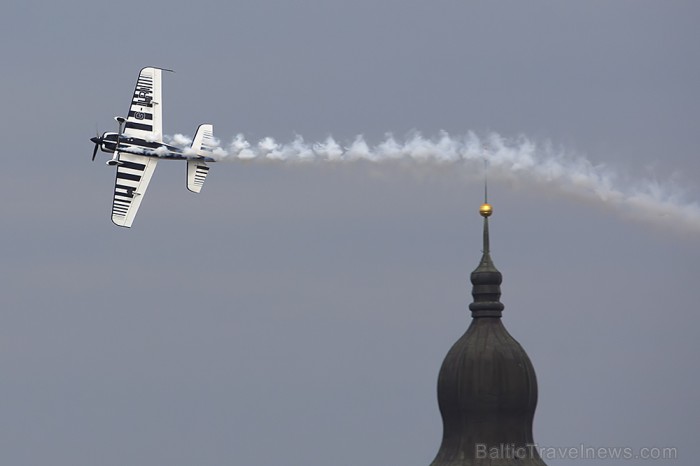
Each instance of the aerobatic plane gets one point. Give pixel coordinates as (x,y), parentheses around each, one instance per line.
(138,145)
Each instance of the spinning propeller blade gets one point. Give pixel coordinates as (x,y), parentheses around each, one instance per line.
(97,140)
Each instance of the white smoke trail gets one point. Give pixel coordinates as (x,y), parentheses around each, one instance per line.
(519,159)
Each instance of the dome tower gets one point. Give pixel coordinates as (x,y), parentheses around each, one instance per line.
(487,390)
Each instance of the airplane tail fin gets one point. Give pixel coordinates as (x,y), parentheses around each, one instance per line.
(203,145)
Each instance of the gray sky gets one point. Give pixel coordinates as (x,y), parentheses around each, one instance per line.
(298,313)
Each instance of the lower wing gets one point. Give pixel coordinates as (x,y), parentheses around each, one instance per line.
(133,175)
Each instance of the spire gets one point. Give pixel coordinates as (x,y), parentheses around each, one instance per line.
(486,279)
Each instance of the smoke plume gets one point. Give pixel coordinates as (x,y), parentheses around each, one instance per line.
(518,159)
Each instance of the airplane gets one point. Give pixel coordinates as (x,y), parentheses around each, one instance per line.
(138,145)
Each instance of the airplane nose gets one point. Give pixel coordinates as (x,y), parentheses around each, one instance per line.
(95,139)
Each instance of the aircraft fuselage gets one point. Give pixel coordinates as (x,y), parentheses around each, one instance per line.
(138,146)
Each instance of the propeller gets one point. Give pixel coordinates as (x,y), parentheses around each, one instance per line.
(97,140)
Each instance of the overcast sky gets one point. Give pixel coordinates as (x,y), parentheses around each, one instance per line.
(298,314)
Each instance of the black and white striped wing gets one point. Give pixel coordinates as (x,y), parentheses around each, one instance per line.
(145,119)
(133,176)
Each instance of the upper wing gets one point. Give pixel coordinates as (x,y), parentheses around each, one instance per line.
(145,118)
(133,175)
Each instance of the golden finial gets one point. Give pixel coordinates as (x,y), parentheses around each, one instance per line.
(485,210)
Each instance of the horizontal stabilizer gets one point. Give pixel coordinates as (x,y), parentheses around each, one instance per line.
(196,174)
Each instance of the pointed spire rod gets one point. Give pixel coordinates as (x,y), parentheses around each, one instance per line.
(486,177)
